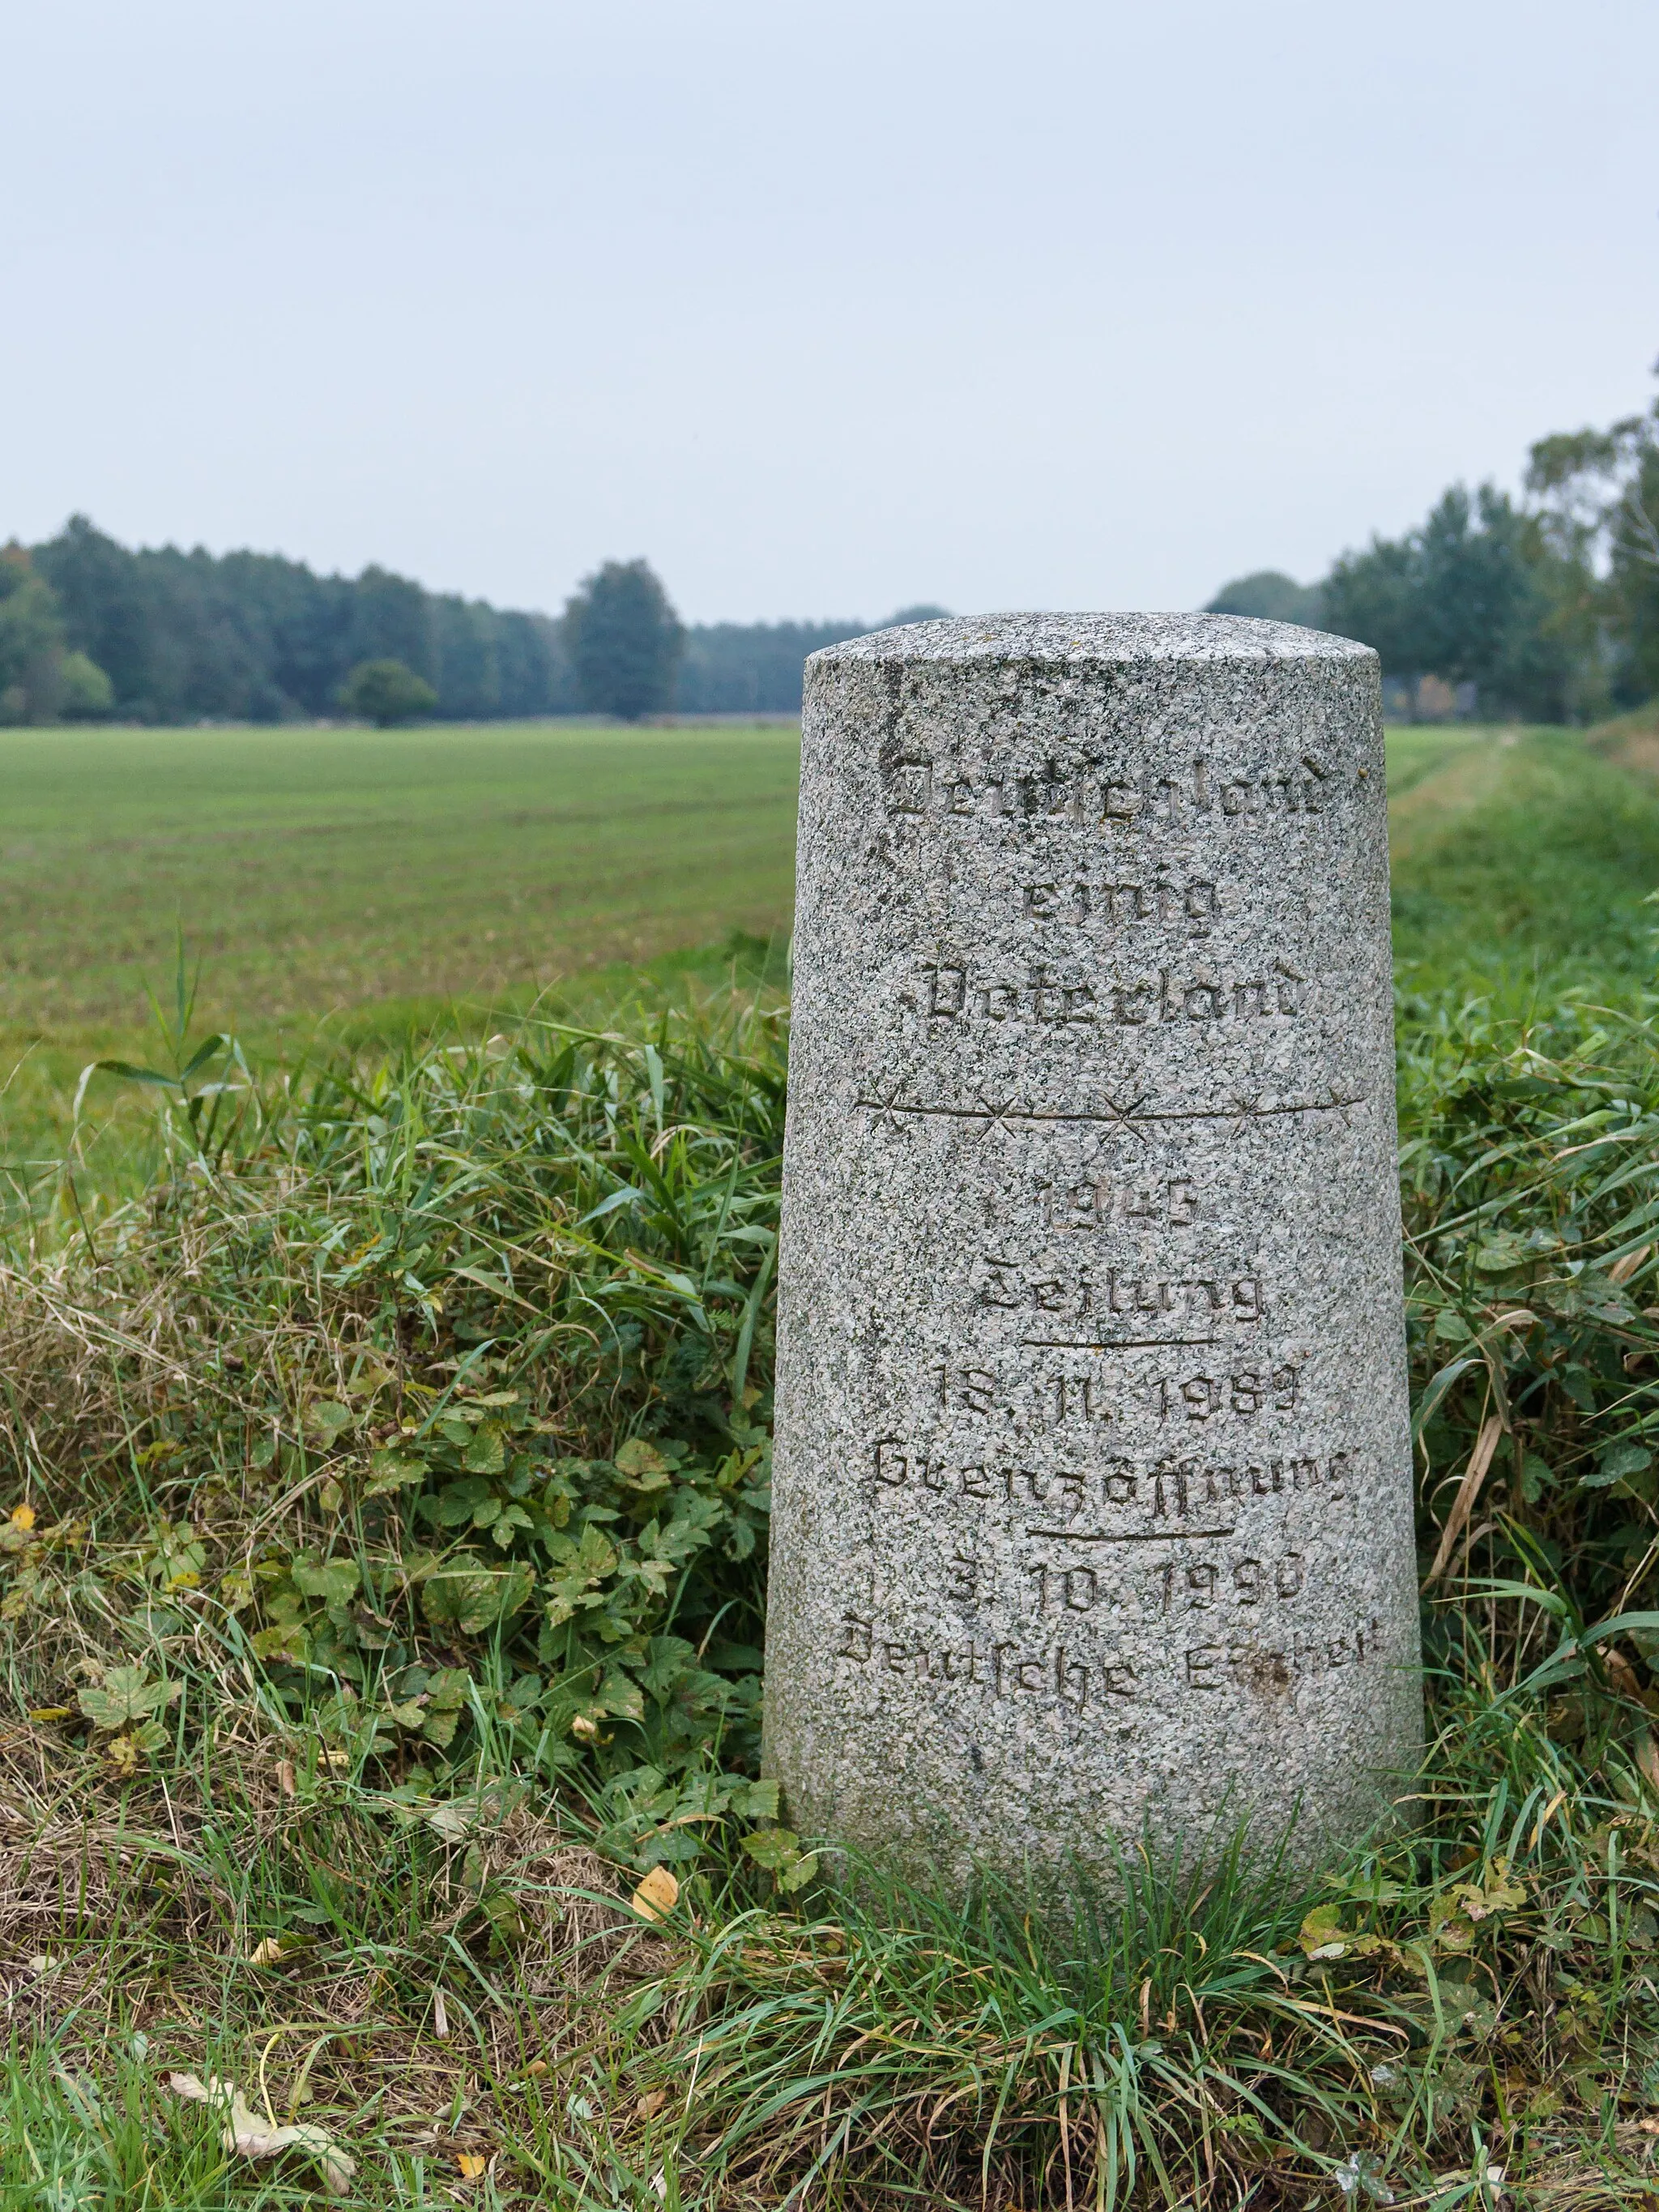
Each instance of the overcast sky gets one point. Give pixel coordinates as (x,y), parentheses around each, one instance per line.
(1069,303)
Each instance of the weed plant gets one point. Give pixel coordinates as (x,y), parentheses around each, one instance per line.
(382,1599)
(384,1588)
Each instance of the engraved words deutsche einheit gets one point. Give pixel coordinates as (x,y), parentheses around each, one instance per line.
(1079,1679)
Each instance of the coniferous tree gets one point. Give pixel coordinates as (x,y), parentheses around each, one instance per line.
(107,612)
(749,668)
(624,641)
(253,637)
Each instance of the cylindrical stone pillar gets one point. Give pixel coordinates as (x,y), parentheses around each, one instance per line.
(1092,1507)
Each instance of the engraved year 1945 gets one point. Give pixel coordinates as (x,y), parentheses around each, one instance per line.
(1096,1203)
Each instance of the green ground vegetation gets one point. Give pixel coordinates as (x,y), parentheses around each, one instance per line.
(381,1605)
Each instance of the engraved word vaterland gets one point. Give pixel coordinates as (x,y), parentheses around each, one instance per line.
(1093,1498)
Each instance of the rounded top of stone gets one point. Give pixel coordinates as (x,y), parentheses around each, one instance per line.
(1085,639)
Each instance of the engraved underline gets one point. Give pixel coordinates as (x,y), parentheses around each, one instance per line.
(1243,1111)
(1152,1536)
(1112,1343)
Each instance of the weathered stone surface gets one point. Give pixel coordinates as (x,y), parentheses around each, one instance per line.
(1092,1497)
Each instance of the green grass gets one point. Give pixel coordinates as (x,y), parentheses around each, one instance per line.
(412,1426)
(1415,753)
(1523,862)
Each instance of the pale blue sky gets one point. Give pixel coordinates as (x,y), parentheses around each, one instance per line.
(822,308)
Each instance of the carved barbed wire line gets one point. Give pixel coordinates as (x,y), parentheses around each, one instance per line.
(1135,1535)
(1242,1113)
(1114,1343)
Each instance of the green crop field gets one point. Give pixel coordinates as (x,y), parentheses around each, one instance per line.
(316,868)
(372,877)
(337,873)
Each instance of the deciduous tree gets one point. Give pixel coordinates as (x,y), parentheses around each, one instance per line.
(385,692)
(1269,595)
(31,641)
(85,694)
(1477,595)
(1599,495)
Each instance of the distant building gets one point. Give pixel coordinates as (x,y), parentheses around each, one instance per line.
(1429,699)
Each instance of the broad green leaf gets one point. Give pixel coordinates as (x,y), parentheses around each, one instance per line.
(642,1466)
(393,1470)
(756,1800)
(288,1641)
(127,1693)
(487,1453)
(470,1599)
(1322,1935)
(1501,1252)
(447,1687)
(773,1847)
(333,1580)
(1617,1463)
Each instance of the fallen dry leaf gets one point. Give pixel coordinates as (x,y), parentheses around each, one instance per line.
(1624,1674)
(1622,1270)
(1467,1491)
(251,2137)
(657,1895)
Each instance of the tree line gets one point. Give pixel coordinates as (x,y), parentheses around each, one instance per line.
(1545,608)
(94,630)
(253,637)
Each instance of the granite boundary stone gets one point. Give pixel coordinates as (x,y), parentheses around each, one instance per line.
(1092,1499)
